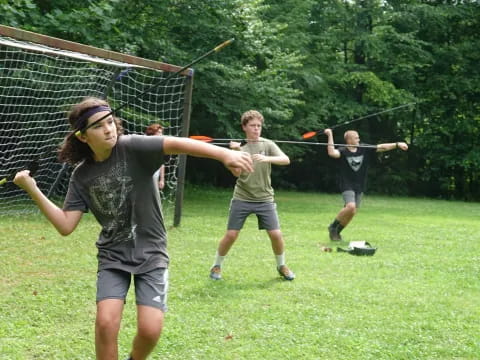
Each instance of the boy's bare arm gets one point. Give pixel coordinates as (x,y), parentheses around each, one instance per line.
(332,152)
(64,221)
(235,161)
(392,146)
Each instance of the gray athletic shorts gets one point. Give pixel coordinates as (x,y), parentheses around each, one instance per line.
(150,288)
(266,214)
(352,196)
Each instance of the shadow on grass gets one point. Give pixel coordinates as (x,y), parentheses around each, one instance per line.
(234,288)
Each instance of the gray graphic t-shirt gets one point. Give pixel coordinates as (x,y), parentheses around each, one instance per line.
(122,194)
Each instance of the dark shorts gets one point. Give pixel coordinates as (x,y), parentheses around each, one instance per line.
(350,196)
(150,288)
(266,214)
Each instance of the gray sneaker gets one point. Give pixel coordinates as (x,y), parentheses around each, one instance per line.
(216,272)
(285,272)
(333,233)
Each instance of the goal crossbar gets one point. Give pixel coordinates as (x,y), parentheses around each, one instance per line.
(53,44)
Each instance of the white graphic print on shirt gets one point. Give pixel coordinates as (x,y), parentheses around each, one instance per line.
(108,194)
(355,162)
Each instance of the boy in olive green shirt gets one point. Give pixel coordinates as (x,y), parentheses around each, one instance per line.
(253,194)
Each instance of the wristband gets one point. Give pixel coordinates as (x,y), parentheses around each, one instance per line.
(396,145)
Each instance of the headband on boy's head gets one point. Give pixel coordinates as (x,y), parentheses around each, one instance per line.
(81,125)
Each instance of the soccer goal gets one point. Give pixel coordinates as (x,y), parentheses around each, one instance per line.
(42,77)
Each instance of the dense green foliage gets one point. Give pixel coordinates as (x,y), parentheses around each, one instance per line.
(308,65)
(416,298)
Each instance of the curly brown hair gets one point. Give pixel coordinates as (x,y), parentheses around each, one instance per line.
(250,115)
(72,150)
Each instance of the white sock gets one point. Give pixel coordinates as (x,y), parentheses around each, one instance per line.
(280,259)
(218,259)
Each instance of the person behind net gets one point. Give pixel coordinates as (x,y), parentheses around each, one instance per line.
(253,194)
(157,130)
(113,179)
(353,166)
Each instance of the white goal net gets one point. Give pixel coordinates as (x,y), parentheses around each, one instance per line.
(38,85)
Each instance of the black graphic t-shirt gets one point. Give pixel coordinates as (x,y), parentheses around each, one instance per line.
(353,168)
(122,194)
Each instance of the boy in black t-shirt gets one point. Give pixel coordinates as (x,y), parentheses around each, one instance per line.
(354,161)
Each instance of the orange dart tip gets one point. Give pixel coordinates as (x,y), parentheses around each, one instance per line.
(201,137)
(309,135)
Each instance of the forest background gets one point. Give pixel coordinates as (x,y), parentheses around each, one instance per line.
(308,65)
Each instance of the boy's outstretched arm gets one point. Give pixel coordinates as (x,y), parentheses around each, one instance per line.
(235,161)
(391,146)
(64,221)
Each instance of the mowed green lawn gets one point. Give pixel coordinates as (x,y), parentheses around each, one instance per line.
(418,297)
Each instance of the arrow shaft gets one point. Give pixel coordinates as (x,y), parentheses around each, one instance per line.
(293,142)
(164,80)
(371,115)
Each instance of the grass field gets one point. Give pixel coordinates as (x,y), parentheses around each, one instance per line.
(417,298)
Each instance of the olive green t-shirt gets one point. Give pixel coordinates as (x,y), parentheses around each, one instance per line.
(256,186)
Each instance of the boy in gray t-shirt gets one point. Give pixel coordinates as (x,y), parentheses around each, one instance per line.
(114,179)
(133,238)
